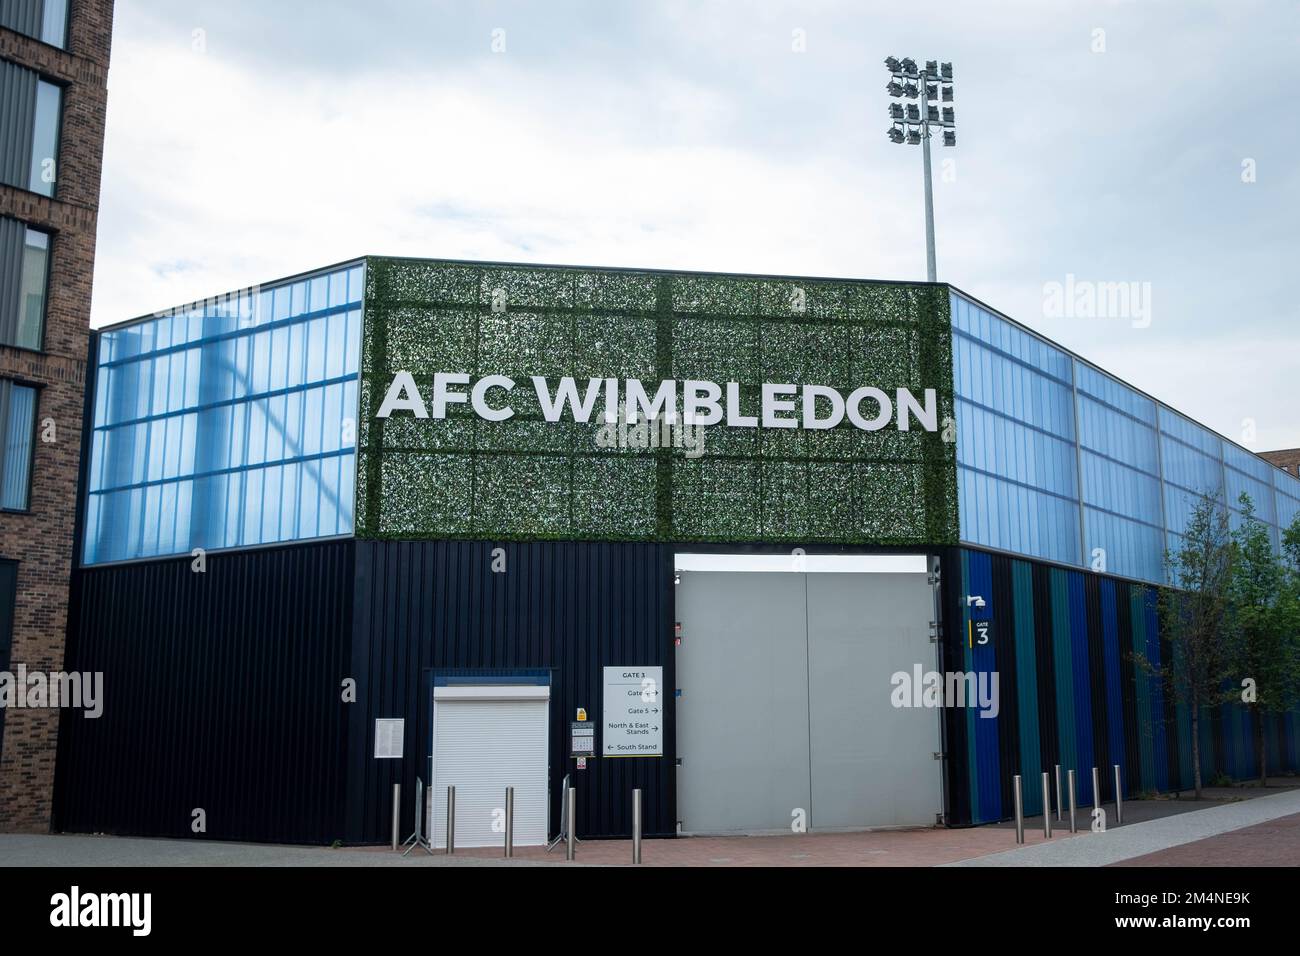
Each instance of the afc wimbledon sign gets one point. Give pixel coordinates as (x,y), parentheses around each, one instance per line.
(698,402)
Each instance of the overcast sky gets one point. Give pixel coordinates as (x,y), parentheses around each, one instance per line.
(251,139)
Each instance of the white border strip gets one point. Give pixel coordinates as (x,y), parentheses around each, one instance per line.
(492,692)
(811,563)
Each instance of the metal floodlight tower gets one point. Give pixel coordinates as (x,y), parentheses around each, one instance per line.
(912,125)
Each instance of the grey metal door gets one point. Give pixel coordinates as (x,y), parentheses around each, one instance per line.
(872,763)
(742,719)
(785,706)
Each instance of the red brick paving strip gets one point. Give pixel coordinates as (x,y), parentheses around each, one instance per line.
(1275,843)
(926,847)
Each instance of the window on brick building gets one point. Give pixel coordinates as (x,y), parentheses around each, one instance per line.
(54,23)
(17,440)
(45,138)
(44,20)
(24,282)
(31,293)
(31,113)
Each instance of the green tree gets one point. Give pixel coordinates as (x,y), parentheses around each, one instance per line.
(1194,616)
(1264,633)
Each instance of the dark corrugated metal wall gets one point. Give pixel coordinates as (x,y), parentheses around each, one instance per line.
(1072,693)
(570,607)
(222,691)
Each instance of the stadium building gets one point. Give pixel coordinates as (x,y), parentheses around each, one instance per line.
(876,549)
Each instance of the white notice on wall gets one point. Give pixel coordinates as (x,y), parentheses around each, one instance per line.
(389,734)
(633,712)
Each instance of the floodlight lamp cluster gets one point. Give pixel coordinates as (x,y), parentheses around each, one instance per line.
(933,84)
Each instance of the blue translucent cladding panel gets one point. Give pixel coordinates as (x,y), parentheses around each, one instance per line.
(1117,545)
(1190,433)
(1117,436)
(1179,504)
(1287,510)
(1004,336)
(1286,483)
(1114,393)
(1118,488)
(1191,469)
(1261,494)
(1237,457)
(999,514)
(993,380)
(993,443)
(230,423)
(1236,521)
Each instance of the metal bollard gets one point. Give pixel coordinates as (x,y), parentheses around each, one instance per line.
(510,822)
(451,819)
(1058,793)
(1047,807)
(1096,788)
(397,813)
(1119,799)
(1020,811)
(571,803)
(636,826)
(1074,828)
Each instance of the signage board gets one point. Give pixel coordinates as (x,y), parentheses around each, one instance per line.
(582,739)
(633,712)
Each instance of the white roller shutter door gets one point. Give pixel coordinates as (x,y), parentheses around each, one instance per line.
(487,738)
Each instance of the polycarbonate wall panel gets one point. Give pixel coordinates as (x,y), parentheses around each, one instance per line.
(995,381)
(1190,469)
(1288,509)
(1117,436)
(1016,463)
(1119,489)
(998,445)
(1260,493)
(1010,517)
(1121,546)
(228,424)
(1044,434)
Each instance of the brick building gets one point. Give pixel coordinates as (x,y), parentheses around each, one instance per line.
(1288,459)
(53,89)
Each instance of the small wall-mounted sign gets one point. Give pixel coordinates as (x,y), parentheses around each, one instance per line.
(582,713)
(390,732)
(582,739)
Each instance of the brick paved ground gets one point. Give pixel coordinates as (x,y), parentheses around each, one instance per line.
(927,847)
(1275,843)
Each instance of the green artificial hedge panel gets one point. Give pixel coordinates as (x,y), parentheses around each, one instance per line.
(527,478)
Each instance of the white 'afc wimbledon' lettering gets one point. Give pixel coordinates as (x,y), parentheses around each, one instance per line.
(697,402)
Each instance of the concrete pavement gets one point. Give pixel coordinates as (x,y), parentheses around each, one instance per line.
(1139,839)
